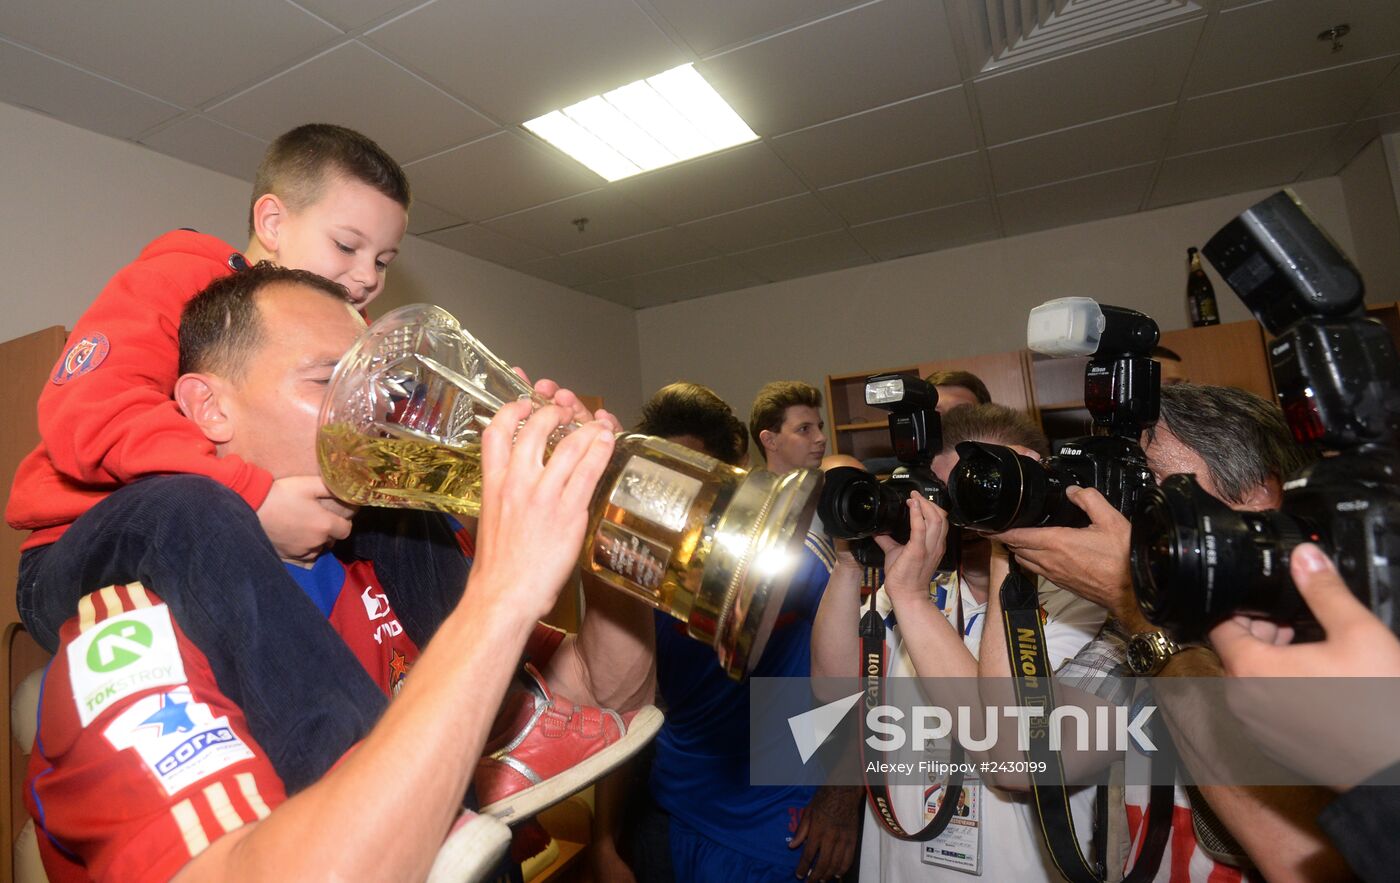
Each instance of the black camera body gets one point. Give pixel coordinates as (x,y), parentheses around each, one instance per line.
(856,505)
(994,489)
(1195,562)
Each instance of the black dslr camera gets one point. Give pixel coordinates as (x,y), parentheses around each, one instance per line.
(857,506)
(1196,561)
(993,488)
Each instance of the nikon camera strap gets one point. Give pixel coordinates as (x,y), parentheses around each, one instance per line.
(872,640)
(1031,676)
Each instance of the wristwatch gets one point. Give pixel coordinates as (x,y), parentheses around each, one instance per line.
(1148,652)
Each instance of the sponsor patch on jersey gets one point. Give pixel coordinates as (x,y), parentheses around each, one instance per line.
(180,741)
(376,603)
(121,656)
(82,357)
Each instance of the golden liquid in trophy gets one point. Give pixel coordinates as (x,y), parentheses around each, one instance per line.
(712,545)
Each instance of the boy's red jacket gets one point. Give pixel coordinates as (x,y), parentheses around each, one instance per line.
(106,417)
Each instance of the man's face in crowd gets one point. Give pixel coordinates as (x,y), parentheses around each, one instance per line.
(274,407)
(799,443)
(950,397)
(1168,455)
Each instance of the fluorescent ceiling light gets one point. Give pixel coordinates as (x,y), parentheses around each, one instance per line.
(645,125)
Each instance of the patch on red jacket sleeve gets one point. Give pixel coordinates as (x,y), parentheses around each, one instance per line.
(82,357)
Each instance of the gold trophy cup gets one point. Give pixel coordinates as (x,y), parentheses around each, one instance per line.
(710,544)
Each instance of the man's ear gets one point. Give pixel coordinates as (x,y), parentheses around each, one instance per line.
(768,439)
(268,214)
(203,399)
(1268,494)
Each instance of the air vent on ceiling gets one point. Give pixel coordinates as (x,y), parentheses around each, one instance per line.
(1016,32)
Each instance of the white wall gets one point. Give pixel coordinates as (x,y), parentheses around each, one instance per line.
(963,301)
(1375,223)
(78,206)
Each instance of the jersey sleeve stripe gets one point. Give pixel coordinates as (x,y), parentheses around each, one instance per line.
(111,600)
(224,812)
(87,614)
(191,828)
(249,786)
(139,596)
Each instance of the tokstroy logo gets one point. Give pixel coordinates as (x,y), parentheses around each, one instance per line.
(119,645)
(1112,727)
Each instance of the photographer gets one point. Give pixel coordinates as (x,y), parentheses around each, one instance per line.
(1362,821)
(1239,448)
(924,642)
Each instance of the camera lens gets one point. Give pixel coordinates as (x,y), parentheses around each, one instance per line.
(1196,561)
(854,504)
(993,488)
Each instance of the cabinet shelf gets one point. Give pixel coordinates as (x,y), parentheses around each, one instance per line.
(857,427)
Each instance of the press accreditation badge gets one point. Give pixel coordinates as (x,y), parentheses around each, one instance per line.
(959,847)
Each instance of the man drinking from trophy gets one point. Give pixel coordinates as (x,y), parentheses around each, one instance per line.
(135,709)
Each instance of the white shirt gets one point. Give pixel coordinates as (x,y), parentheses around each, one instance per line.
(1011,846)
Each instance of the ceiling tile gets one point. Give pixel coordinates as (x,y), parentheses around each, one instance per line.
(928,231)
(642,254)
(716,24)
(357,87)
(488,245)
(1089,198)
(711,185)
(810,75)
(563,271)
(551,227)
(918,130)
(1092,84)
(1265,41)
(676,283)
(775,221)
(211,47)
(351,14)
(805,257)
(497,175)
(945,182)
(1082,150)
(424,217)
(1252,166)
(204,142)
(35,81)
(1307,101)
(1386,98)
(517,60)
(1344,148)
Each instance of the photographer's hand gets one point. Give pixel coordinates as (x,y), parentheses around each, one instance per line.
(1307,729)
(1090,561)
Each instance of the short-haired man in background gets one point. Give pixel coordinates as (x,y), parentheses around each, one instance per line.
(786,423)
(957,387)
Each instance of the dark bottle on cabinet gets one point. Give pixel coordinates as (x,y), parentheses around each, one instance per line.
(1200,295)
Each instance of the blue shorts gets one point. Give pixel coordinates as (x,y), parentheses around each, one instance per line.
(698,859)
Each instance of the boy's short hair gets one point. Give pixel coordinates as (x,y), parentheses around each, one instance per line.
(220,327)
(966,379)
(772,402)
(684,408)
(296,166)
(994,424)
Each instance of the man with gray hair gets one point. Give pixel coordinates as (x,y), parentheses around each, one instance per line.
(1239,448)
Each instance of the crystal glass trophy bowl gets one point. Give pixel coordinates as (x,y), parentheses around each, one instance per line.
(709,544)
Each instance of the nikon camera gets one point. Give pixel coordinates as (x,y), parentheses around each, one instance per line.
(1194,560)
(993,488)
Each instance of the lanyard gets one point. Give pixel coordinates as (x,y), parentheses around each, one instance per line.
(873,662)
(1032,679)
